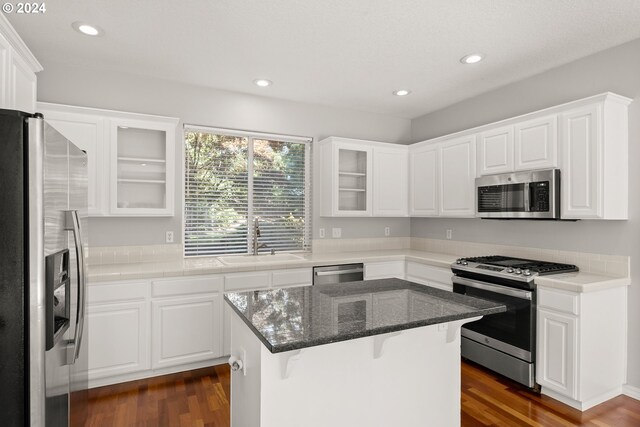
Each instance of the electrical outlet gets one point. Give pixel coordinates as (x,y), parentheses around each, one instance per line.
(168,237)
(449,234)
(336,233)
(321,233)
(387,231)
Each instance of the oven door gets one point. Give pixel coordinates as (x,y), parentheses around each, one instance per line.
(513,331)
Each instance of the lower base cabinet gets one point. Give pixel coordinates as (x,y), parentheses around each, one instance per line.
(118,339)
(581,345)
(186,330)
(429,275)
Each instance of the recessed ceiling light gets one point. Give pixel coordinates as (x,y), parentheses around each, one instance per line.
(401,92)
(472,58)
(87,29)
(263,82)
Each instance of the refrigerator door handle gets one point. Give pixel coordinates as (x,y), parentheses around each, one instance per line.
(72,223)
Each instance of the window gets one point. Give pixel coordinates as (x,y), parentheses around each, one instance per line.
(232,178)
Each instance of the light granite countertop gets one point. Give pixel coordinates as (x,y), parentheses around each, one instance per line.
(575,282)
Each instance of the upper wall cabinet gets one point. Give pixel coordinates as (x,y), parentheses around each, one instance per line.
(142,166)
(531,144)
(131,158)
(86,130)
(594,140)
(362,178)
(441,178)
(18,68)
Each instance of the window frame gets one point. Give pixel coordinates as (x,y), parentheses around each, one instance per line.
(251,135)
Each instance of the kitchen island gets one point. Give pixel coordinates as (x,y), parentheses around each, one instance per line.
(369,353)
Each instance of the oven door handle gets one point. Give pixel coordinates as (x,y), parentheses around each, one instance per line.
(503,290)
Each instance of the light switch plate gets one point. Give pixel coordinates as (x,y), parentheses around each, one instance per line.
(336,233)
(321,233)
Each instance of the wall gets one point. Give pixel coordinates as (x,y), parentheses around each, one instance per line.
(616,70)
(62,84)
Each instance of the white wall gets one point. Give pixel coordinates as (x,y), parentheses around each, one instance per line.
(62,84)
(616,70)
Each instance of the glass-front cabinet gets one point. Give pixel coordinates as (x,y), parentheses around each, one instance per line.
(346,177)
(142,167)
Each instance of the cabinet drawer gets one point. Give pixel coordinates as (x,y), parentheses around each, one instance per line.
(558,301)
(428,272)
(382,270)
(100,293)
(243,281)
(187,285)
(295,277)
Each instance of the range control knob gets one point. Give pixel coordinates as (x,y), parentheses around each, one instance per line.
(509,270)
(459,261)
(464,262)
(518,271)
(526,273)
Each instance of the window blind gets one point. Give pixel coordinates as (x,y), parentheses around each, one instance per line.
(231,179)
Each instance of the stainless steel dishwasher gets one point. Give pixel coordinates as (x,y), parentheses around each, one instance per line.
(338,273)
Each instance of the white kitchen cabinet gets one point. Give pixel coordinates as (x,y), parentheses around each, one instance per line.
(581,345)
(186,330)
(142,166)
(525,145)
(557,361)
(390,171)
(429,275)
(291,277)
(457,177)
(384,270)
(442,178)
(495,150)
(424,180)
(536,143)
(347,177)
(85,129)
(117,329)
(187,320)
(594,140)
(18,68)
(363,178)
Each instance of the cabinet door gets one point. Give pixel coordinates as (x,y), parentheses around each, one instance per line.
(581,151)
(457,177)
(495,151)
(390,181)
(23,83)
(424,163)
(87,133)
(142,167)
(556,354)
(536,143)
(186,330)
(118,338)
(353,168)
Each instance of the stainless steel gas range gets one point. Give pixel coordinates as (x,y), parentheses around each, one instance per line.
(505,342)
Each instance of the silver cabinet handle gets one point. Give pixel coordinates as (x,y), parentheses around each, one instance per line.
(503,290)
(338,272)
(72,223)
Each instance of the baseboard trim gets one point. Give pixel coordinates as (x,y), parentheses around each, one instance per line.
(588,404)
(631,391)
(149,373)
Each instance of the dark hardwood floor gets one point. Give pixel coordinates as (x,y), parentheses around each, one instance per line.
(201,398)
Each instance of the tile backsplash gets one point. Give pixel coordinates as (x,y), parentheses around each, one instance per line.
(610,265)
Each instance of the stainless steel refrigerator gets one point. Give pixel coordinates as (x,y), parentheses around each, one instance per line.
(43,246)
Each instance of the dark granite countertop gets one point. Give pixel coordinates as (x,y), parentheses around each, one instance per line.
(294,318)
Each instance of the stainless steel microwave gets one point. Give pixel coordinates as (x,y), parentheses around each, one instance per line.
(519,195)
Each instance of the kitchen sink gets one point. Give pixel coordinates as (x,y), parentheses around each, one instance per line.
(250,259)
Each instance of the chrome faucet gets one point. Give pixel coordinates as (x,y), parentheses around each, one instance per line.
(256,234)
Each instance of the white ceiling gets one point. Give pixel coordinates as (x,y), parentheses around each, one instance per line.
(340,53)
